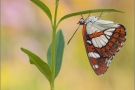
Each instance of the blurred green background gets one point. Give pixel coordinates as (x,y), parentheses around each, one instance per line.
(23,24)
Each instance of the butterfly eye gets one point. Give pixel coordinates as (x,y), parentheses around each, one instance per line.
(81,22)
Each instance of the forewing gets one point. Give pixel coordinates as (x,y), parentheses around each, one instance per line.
(104,24)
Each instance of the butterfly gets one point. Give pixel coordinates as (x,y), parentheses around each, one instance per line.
(102,40)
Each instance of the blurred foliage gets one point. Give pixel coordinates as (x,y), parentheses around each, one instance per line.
(23,24)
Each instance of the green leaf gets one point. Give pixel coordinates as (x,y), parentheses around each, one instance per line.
(86,12)
(40,64)
(58,52)
(49,52)
(44,8)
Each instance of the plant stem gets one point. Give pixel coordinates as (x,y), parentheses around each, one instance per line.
(53,57)
(53,45)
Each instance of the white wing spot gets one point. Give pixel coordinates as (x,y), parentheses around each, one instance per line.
(108,33)
(88,41)
(95,66)
(108,61)
(98,42)
(122,43)
(107,36)
(104,38)
(101,41)
(101,74)
(93,54)
(118,48)
(94,42)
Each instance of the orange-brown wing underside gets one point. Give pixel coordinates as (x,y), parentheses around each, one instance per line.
(100,65)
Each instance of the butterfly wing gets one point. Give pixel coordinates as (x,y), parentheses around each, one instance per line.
(103,24)
(102,40)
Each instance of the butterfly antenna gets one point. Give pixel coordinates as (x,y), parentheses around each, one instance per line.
(73,35)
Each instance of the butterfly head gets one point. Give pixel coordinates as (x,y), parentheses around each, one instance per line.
(91,19)
(81,21)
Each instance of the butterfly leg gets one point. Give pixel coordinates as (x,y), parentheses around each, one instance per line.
(102,15)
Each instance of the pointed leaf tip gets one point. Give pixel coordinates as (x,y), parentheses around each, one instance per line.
(40,64)
(44,7)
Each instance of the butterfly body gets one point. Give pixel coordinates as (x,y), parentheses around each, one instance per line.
(102,39)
